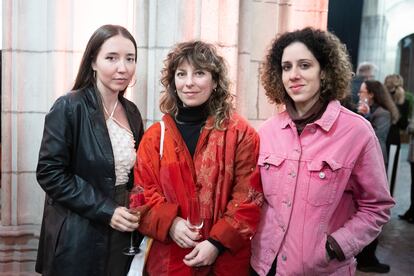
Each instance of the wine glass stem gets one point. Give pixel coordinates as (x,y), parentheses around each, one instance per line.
(132,239)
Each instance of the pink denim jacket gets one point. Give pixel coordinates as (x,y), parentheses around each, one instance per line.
(330,180)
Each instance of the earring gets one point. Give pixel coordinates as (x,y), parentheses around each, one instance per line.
(94,74)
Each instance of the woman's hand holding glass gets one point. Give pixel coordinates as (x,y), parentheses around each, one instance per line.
(123,221)
(136,203)
(182,234)
(363,107)
(194,220)
(186,233)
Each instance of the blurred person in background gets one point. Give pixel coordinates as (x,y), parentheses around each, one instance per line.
(377,106)
(394,85)
(365,71)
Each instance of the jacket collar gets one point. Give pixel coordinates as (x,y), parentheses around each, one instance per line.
(94,104)
(325,122)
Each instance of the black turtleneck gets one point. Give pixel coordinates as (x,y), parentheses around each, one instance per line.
(189,121)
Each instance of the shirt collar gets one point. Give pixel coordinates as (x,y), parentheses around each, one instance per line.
(325,122)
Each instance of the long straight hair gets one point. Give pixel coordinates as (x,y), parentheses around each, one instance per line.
(85,77)
(383,98)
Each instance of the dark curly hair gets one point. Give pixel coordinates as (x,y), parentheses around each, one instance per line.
(204,56)
(328,51)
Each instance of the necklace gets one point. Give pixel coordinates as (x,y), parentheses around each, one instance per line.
(113,110)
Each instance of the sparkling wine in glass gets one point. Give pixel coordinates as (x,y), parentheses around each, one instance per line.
(136,200)
(194,219)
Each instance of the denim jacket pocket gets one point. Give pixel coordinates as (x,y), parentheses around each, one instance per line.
(271,167)
(321,185)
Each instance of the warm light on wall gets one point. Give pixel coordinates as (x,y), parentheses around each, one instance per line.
(88,17)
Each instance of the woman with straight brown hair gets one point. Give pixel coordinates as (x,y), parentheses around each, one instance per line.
(87,152)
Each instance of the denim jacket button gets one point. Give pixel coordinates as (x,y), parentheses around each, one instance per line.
(322,175)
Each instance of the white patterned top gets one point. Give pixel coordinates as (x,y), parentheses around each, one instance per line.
(123,143)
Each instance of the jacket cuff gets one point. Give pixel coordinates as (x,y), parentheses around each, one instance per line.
(339,254)
(107,211)
(227,235)
(217,244)
(157,221)
(345,241)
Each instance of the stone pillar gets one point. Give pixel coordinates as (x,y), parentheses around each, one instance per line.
(42,45)
(373,37)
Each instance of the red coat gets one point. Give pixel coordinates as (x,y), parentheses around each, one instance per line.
(224,175)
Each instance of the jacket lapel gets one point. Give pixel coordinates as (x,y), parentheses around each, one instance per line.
(99,125)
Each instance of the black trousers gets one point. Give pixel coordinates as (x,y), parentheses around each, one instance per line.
(394,167)
(411,209)
(367,256)
(118,264)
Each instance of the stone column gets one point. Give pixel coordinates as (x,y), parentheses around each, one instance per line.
(373,37)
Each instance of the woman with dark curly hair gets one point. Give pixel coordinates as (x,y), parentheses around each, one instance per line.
(321,166)
(208,165)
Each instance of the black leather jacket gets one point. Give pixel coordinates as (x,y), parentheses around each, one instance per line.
(76,170)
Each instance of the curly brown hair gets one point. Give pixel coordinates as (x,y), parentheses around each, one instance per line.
(203,56)
(328,51)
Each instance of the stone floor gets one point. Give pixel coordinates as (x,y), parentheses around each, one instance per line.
(396,243)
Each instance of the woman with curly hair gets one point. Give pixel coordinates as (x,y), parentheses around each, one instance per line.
(321,166)
(209,160)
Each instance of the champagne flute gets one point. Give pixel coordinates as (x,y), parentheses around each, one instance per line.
(363,106)
(194,220)
(136,200)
